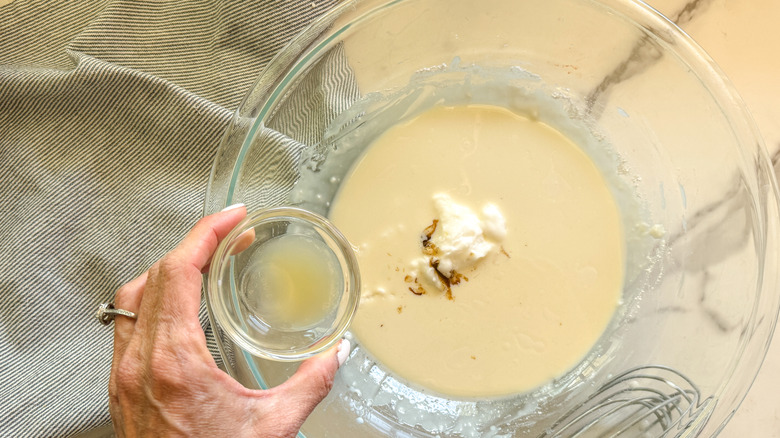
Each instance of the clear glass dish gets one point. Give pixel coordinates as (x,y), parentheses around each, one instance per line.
(253,293)
(700,299)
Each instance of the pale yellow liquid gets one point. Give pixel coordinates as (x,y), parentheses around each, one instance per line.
(527,314)
(295,282)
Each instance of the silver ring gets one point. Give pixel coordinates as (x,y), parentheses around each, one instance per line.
(107,312)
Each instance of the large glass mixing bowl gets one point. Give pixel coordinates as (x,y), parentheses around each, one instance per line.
(699,200)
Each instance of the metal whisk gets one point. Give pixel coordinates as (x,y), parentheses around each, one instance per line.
(648,401)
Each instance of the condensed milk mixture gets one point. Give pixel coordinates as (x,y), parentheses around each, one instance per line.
(490,247)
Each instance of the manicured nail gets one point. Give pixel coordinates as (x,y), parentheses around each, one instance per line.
(343,351)
(230,207)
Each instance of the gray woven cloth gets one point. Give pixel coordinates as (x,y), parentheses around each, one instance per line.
(110,116)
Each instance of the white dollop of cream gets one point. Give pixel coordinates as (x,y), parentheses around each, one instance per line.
(462,237)
(493,223)
(422,269)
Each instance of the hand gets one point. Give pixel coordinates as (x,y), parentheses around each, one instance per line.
(163,380)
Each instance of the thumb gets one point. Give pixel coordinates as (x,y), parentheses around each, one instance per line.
(302,392)
(201,242)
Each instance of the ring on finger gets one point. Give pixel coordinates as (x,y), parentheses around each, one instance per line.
(107,312)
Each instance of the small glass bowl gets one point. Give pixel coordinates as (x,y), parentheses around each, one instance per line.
(253,264)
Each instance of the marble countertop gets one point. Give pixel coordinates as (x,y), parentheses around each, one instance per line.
(742,36)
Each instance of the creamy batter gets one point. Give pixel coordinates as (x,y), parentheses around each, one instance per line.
(529,308)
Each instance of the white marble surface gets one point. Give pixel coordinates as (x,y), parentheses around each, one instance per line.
(744,39)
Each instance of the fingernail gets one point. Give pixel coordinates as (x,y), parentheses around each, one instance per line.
(231,207)
(343,351)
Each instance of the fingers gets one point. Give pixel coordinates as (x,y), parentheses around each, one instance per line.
(128,297)
(159,346)
(300,394)
(174,285)
(201,242)
(243,241)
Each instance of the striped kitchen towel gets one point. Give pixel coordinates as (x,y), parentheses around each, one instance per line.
(110,115)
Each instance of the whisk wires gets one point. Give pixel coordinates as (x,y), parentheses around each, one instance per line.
(651,401)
